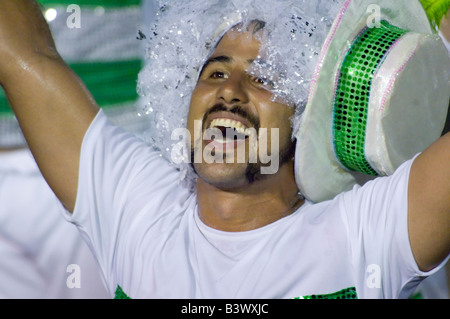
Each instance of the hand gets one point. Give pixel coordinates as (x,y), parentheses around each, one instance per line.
(24,36)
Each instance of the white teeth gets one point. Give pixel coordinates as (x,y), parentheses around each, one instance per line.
(238,126)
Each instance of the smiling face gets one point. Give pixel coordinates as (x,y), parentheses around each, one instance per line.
(227,99)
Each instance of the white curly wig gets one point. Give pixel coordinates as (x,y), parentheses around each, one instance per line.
(185,33)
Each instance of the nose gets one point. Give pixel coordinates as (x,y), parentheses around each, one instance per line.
(233,90)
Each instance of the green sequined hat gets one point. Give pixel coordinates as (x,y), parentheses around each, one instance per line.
(379,95)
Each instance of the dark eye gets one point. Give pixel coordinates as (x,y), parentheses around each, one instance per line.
(259,81)
(218,75)
(262,82)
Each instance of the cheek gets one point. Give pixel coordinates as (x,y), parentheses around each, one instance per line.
(278,117)
(201,101)
(196,107)
(274,115)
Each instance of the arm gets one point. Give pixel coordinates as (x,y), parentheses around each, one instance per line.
(429,205)
(52,105)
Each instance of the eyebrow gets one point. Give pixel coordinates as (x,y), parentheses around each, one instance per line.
(220,59)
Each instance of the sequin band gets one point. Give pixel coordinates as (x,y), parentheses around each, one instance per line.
(352,94)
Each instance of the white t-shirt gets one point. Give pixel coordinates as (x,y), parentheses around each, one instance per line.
(41,255)
(150,243)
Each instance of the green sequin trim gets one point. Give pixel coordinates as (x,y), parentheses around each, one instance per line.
(417,295)
(352,94)
(120,294)
(348,293)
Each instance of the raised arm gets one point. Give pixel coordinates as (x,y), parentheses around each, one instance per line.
(429,205)
(52,105)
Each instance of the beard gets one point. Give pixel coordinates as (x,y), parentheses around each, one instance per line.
(252,172)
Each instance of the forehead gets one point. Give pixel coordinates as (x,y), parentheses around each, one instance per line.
(238,43)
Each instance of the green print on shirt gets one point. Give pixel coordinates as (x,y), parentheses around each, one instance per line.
(120,294)
(349,293)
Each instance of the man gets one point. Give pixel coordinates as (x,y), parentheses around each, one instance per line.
(239,235)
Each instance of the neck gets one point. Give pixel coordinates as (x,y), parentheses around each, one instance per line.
(253,206)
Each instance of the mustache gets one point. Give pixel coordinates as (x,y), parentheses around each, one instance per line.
(237,109)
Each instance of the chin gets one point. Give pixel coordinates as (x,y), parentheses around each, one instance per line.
(223,176)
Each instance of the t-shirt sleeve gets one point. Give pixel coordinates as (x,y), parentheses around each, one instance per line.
(376,216)
(123,184)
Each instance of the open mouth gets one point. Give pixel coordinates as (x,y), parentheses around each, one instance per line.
(231,130)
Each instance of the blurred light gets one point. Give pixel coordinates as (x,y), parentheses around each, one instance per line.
(50,14)
(99,10)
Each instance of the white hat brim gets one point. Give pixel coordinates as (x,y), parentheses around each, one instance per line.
(318,173)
